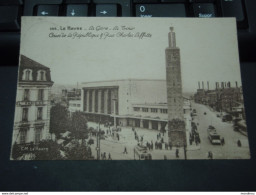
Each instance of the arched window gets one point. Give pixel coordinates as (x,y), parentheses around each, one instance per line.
(27,75)
(41,75)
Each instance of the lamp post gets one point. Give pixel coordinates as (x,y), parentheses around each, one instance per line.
(98,143)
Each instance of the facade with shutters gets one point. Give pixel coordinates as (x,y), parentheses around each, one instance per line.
(32,110)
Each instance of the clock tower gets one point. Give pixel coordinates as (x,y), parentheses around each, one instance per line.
(176,123)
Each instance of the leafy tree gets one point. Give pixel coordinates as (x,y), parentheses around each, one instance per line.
(16,151)
(79,152)
(79,128)
(47,150)
(59,121)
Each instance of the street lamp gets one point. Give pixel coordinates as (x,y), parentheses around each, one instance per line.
(98,142)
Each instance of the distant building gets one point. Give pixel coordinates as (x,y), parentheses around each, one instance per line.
(133,102)
(222,99)
(73,94)
(74,105)
(32,111)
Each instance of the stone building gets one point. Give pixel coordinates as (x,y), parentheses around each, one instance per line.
(223,98)
(32,110)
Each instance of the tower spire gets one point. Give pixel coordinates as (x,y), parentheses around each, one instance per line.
(172,38)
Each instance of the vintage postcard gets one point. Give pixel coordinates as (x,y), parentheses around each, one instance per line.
(129,89)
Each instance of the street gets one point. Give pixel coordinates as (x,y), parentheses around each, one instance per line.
(229,150)
(126,139)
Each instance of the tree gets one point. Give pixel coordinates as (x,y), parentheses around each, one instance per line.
(79,128)
(79,152)
(59,121)
(47,150)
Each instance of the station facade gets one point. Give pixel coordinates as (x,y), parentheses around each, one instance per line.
(132,102)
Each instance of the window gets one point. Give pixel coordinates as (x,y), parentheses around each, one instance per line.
(25,114)
(40,94)
(163,111)
(38,134)
(153,109)
(136,109)
(41,75)
(144,109)
(39,113)
(23,135)
(26,95)
(27,75)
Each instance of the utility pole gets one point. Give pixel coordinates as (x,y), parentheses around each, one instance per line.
(98,143)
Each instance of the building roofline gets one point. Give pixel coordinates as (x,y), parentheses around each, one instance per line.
(116,80)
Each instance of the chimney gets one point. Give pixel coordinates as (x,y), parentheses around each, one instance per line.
(236,85)
(208,85)
(198,84)
(222,85)
(216,84)
(203,84)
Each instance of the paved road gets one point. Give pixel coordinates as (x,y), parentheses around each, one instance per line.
(230,150)
(127,139)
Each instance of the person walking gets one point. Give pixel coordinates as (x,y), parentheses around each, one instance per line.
(125,150)
(177,153)
(210,155)
(239,144)
(109,156)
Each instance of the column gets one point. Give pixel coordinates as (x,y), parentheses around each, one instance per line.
(141,123)
(106,101)
(150,124)
(99,101)
(93,100)
(159,125)
(87,100)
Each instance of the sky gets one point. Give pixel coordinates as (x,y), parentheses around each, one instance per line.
(208,49)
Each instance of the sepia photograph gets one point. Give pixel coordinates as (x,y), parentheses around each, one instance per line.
(129,89)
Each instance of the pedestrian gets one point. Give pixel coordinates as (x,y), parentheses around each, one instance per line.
(104,156)
(222,141)
(210,155)
(177,153)
(239,144)
(170,146)
(125,150)
(109,156)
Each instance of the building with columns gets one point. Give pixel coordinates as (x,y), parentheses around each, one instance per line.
(133,102)
(32,110)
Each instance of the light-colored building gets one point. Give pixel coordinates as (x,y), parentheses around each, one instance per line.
(133,102)
(74,105)
(32,111)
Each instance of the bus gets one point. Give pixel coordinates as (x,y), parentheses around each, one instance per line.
(141,153)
